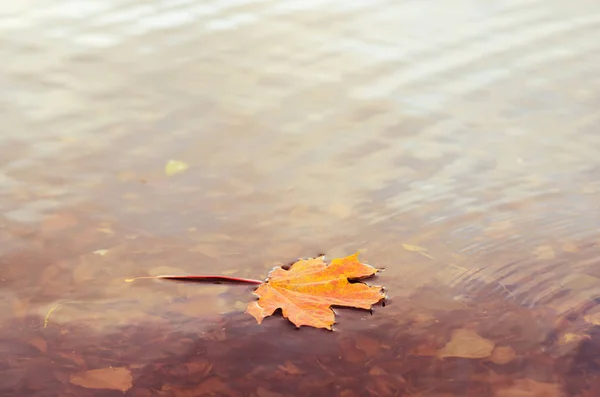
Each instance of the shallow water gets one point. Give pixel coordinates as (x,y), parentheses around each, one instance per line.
(457,147)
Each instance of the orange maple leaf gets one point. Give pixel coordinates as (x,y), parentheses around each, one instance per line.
(306,291)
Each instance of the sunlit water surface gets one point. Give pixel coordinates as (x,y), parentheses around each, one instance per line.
(456,145)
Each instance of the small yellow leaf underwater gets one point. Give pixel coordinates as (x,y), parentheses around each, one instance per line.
(175,167)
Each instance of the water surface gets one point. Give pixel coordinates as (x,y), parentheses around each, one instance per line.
(456,146)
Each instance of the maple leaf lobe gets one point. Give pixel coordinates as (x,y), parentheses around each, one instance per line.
(306,291)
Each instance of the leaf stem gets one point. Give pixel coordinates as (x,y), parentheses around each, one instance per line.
(200,279)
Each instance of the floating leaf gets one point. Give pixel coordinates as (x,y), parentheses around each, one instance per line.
(466,343)
(175,167)
(114,378)
(306,291)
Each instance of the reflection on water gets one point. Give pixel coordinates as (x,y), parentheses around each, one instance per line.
(456,147)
